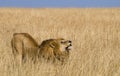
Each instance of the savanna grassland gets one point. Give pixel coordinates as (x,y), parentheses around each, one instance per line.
(95,33)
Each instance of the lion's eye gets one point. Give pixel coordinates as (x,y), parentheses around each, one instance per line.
(62,42)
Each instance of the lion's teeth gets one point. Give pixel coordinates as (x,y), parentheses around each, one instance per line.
(69,48)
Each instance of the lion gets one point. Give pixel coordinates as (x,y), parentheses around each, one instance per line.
(24,47)
(55,49)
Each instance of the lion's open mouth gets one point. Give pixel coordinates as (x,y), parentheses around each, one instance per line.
(69,47)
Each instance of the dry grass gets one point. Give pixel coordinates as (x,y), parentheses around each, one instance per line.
(95,34)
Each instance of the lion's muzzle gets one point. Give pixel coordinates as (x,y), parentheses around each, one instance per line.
(69,47)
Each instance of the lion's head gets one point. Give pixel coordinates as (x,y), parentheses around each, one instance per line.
(55,49)
(65,45)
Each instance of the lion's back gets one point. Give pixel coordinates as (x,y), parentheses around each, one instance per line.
(23,44)
(25,39)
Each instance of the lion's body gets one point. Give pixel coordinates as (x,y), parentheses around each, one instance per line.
(24,46)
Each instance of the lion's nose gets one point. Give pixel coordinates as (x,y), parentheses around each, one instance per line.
(70,44)
(70,41)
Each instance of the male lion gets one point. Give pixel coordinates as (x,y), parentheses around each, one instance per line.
(55,49)
(23,46)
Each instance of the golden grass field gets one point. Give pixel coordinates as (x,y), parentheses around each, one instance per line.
(95,33)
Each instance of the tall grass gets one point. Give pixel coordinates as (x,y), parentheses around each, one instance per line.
(95,34)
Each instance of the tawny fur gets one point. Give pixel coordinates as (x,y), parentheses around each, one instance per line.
(24,46)
(51,50)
